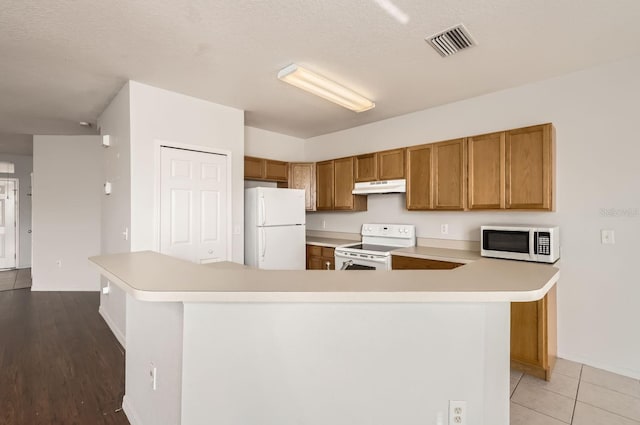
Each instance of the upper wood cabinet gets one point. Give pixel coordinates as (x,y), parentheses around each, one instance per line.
(385,165)
(334,182)
(366,167)
(529,167)
(391,164)
(419,183)
(324,185)
(344,180)
(302,175)
(449,175)
(265,169)
(436,176)
(486,155)
(254,167)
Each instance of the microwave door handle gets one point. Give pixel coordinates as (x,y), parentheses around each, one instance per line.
(532,245)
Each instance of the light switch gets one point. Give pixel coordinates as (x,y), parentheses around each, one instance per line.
(607,237)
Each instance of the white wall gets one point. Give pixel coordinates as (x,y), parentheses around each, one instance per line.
(67,187)
(161,115)
(154,336)
(595,114)
(116,208)
(23,169)
(317,364)
(271,145)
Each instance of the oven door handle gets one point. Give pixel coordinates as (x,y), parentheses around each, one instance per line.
(346,264)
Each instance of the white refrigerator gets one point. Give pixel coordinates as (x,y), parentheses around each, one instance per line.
(274,228)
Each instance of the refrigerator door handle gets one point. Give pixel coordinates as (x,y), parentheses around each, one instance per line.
(264,243)
(263,212)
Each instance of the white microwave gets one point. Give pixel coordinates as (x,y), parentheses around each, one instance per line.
(521,242)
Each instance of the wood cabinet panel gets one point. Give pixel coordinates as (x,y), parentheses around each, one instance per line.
(276,170)
(486,168)
(533,336)
(343,198)
(324,185)
(302,175)
(320,258)
(366,167)
(529,168)
(419,177)
(391,164)
(253,168)
(449,175)
(399,262)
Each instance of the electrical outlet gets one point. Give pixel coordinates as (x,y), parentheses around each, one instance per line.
(607,237)
(153,376)
(457,412)
(324,224)
(59,264)
(444,229)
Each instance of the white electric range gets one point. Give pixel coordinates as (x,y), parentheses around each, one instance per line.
(374,252)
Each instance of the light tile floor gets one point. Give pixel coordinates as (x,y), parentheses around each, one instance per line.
(15,279)
(576,395)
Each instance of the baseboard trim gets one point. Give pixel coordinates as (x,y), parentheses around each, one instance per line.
(634,374)
(130,412)
(116,332)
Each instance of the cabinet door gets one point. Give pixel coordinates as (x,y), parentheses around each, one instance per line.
(325,183)
(533,335)
(254,168)
(486,167)
(449,175)
(344,179)
(276,170)
(419,177)
(391,164)
(366,167)
(529,168)
(303,176)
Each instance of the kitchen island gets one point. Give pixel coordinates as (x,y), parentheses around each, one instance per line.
(225,344)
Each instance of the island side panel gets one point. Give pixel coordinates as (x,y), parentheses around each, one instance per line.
(342,363)
(154,337)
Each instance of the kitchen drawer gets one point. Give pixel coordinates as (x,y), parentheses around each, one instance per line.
(314,250)
(399,262)
(328,252)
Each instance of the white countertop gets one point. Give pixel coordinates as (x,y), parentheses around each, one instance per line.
(150,276)
(439,254)
(329,242)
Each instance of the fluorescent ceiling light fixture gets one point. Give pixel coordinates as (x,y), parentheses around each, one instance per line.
(393,10)
(325,88)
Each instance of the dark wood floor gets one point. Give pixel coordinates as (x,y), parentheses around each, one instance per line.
(59,363)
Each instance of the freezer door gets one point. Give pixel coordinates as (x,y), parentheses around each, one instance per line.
(280,207)
(281,248)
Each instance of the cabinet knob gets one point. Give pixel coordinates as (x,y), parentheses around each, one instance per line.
(328,265)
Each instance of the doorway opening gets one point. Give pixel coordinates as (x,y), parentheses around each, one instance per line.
(9,225)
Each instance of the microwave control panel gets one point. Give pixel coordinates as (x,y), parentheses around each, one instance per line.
(543,245)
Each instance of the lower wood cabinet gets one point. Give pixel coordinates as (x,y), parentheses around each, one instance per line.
(533,324)
(534,336)
(320,258)
(399,262)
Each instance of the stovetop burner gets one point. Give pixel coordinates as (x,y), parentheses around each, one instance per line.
(372,247)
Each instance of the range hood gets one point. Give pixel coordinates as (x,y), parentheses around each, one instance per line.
(385,186)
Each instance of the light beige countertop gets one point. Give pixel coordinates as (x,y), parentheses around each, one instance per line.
(150,276)
(439,254)
(329,242)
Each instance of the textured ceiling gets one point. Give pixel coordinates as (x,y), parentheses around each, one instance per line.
(62,61)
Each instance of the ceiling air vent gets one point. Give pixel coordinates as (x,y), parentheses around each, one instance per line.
(451,41)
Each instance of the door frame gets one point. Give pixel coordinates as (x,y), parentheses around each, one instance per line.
(158,145)
(16,213)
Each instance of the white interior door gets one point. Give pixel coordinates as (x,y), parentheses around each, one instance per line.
(193,205)
(8,204)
